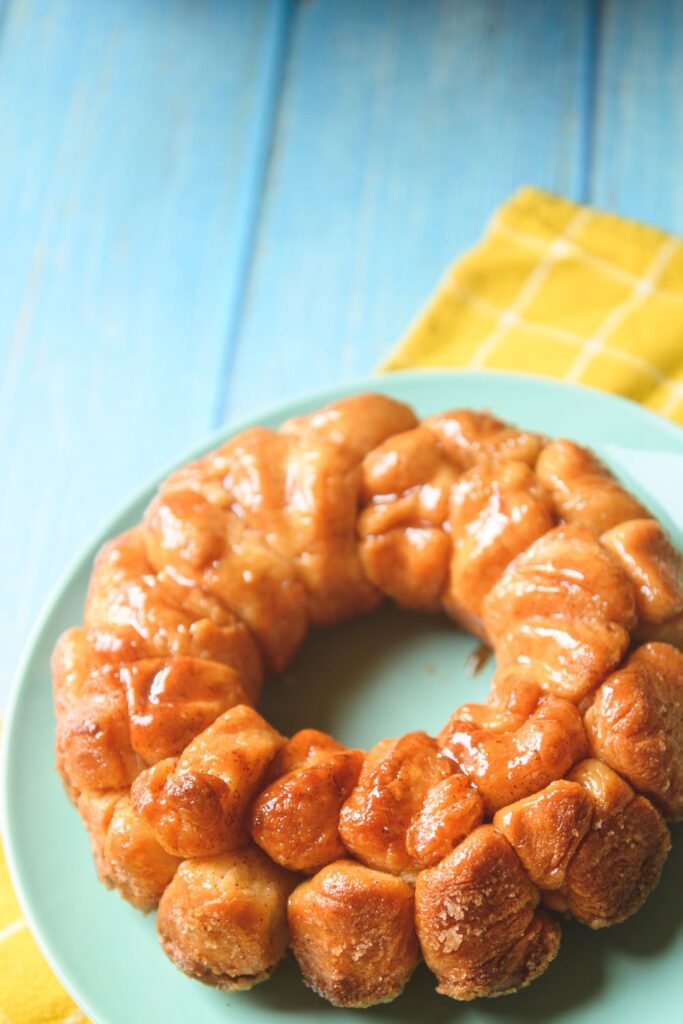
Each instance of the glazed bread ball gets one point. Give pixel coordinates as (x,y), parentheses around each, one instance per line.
(358,423)
(655,569)
(472,437)
(223,919)
(635,724)
(353,933)
(563,609)
(93,744)
(404,542)
(506,766)
(451,810)
(197,804)
(496,511)
(396,777)
(583,488)
(295,819)
(133,612)
(620,859)
(545,830)
(127,854)
(477,922)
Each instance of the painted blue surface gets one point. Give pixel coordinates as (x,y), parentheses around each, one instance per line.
(206,207)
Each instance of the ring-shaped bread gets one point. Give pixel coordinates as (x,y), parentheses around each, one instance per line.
(552,792)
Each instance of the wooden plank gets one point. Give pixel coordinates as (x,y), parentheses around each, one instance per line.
(638,130)
(130,139)
(402,125)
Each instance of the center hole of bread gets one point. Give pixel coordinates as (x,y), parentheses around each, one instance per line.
(384,674)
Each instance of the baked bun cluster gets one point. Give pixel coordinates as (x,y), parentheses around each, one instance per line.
(463,849)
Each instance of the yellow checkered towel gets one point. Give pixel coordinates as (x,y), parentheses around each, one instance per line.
(552,288)
(563,290)
(29,991)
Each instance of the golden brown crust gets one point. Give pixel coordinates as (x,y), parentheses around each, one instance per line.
(93,737)
(506,766)
(583,488)
(266,524)
(635,724)
(230,562)
(127,855)
(197,804)
(407,483)
(404,546)
(357,424)
(396,777)
(566,571)
(471,437)
(295,819)
(619,861)
(306,747)
(451,810)
(113,720)
(170,701)
(564,610)
(223,920)
(353,934)
(308,515)
(132,612)
(496,511)
(545,830)
(655,569)
(477,921)
(96,811)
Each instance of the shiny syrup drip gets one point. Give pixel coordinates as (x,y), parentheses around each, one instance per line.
(477,660)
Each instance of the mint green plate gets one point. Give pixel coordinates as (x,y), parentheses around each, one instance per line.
(379,676)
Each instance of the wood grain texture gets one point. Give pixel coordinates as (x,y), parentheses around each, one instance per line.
(637,147)
(402,125)
(129,143)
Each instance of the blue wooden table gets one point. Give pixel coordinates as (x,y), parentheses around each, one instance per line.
(207,207)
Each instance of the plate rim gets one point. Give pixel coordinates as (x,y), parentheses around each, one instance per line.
(292,406)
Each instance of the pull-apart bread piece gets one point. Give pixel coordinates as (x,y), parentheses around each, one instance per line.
(410,807)
(655,569)
(620,859)
(451,810)
(223,919)
(511,756)
(357,424)
(266,524)
(394,782)
(635,724)
(133,612)
(593,846)
(545,830)
(406,526)
(295,819)
(496,512)
(197,540)
(471,437)
(583,488)
(93,744)
(126,852)
(197,804)
(115,719)
(563,611)
(477,922)
(404,541)
(352,931)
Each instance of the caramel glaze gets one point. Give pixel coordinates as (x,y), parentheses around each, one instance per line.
(552,792)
